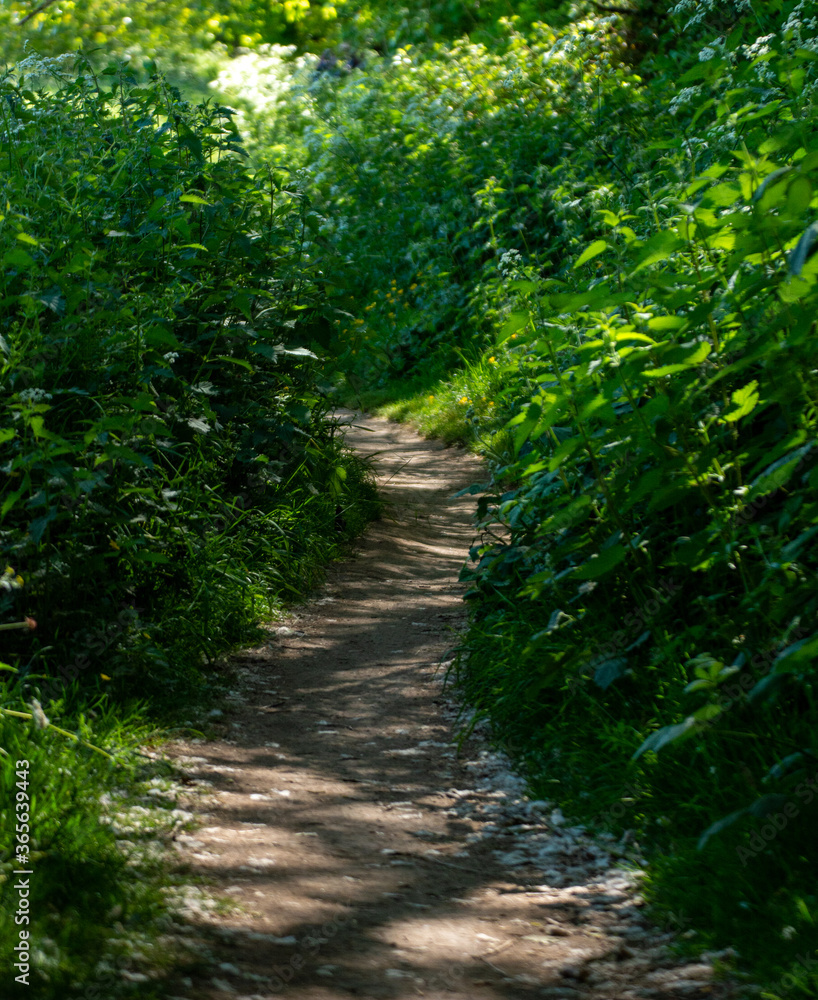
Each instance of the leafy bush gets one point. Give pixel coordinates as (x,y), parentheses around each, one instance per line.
(169,465)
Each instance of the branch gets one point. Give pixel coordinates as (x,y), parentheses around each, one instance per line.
(35,12)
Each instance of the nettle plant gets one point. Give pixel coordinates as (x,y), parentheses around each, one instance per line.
(431,164)
(162,432)
(663,523)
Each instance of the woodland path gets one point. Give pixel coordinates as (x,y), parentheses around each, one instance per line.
(364,856)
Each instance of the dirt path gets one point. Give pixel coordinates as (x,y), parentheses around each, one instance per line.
(363,856)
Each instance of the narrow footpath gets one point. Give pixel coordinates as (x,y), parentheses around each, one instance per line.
(360,853)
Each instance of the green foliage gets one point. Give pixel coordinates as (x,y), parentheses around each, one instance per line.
(85,830)
(435,173)
(617,218)
(169,465)
(181,32)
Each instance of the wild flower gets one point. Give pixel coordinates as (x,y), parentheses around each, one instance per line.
(510,262)
(10,580)
(34,395)
(685,96)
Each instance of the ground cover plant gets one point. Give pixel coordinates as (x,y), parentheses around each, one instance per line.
(589,250)
(92,821)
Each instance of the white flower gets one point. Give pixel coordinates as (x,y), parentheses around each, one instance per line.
(35,395)
(509,262)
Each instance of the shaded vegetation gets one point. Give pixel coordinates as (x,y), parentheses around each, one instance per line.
(585,246)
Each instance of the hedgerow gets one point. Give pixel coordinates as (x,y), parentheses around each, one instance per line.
(166,449)
(170,470)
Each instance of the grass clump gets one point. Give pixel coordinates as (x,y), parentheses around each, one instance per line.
(83,832)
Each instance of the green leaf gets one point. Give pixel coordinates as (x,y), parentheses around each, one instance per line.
(769,182)
(777,474)
(515,322)
(667,734)
(797,657)
(194,199)
(235,361)
(37,527)
(762,807)
(10,501)
(658,248)
(590,252)
(141,555)
(744,402)
(694,358)
(18,258)
(298,352)
(799,255)
(799,196)
(601,563)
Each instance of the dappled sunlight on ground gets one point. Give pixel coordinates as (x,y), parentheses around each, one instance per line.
(360,855)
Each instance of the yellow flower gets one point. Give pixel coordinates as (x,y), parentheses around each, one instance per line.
(464,400)
(19,580)
(391,315)
(431,399)
(105,677)
(400,291)
(491,404)
(492,361)
(413,287)
(359,322)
